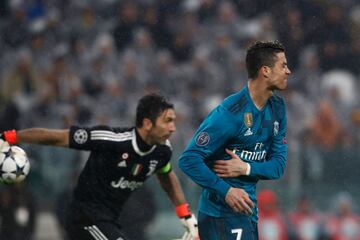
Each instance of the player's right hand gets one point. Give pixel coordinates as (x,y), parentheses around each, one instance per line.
(239,201)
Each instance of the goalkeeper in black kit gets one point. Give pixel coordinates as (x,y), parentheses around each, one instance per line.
(120,160)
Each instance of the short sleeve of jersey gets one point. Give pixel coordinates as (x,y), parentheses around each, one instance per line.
(166,169)
(83,138)
(167,153)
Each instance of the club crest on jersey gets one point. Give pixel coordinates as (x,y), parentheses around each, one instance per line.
(248,119)
(276,128)
(202,139)
(136,169)
(152,167)
(80,136)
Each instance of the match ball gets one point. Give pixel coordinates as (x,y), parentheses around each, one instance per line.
(14,163)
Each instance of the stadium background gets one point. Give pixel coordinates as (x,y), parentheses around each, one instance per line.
(87,62)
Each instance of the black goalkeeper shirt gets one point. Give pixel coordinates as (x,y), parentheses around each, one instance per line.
(115,168)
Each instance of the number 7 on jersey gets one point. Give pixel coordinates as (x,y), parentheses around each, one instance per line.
(238,232)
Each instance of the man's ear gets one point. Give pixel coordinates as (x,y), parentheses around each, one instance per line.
(147,124)
(265,71)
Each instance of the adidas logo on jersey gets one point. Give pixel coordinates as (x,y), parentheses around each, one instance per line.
(248,132)
(122,164)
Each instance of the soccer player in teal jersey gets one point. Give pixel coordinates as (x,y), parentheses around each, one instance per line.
(242,141)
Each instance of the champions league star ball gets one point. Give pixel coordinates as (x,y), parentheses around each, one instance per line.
(14,163)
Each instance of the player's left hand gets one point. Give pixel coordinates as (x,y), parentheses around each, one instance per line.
(4,145)
(233,167)
(191,226)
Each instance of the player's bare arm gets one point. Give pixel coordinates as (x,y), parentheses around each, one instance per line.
(44,136)
(171,185)
(233,167)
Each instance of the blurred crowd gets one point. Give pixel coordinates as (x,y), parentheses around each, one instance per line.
(304,222)
(87,62)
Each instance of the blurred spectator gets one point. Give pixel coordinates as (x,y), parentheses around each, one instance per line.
(143,48)
(333,37)
(133,77)
(62,84)
(227,21)
(22,83)
(307,78)
(271,220)
(112,105)
(354,50)
(15,31)
(4,8)
(326,131)
(78,57)
(127,23)
(305,222)
(202,71)
(344,224)
(355,119)
(222,54)
(157,27)
(340,88)
(18,212)
(181,47)
(207,10)
(167,76)
(35,9)
(292,34)
(86,24)
(237,72)
(40,50)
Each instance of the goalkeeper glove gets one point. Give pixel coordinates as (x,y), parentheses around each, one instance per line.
(4,145)
(9,136)
(188,220)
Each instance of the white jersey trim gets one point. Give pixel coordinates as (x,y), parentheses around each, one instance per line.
(95,232)
(136,147)
(111,136)
(168,143)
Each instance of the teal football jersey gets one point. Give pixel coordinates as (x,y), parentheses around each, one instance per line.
(257,136)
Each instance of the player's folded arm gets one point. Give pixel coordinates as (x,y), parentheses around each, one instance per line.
(274,167)
(209,138)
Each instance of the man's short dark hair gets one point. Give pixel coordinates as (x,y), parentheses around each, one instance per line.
(151,106)
(262,54)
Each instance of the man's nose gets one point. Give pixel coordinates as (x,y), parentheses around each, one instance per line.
(288,71)
(172,127)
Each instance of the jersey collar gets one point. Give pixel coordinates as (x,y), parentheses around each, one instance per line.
(136,147)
